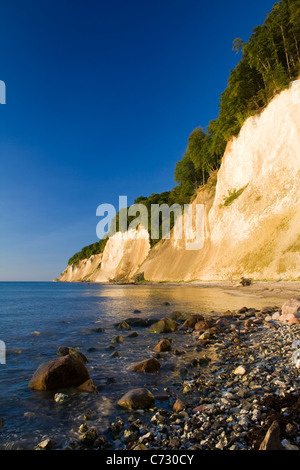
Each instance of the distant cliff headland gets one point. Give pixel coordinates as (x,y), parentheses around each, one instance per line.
(243,168)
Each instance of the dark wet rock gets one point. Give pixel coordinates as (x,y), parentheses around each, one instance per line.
(176,315)
(117,339)
(223,322)
(162,397)
(123,325)
(178,352)
(89,435)
(64,351)
(140,398)
(134,334)
(152,320)
(46,444)
(245,281)
(163,346)
(243,310)
(116,428)
(272,438)
(136,311)
(115,354)
(179,405)
(63,372)
(202,343)
(88,386)
(111,380)
(129,435)
(92,349)
(204,324)
(98,329)
(149,436)
(151,365)
(158,355)
(165,325)
(137,322)
(191,321)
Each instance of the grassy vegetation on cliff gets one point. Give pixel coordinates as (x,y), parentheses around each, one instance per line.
(86,252)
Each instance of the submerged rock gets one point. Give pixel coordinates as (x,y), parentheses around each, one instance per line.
(134,334)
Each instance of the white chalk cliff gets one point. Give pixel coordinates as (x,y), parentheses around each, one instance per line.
(120,260)
(255,234)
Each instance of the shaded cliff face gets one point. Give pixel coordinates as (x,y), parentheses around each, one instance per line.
(251,216)
(252,225)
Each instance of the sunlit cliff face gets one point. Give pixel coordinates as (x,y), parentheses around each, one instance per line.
(252,220)
(123,254)
(251,216)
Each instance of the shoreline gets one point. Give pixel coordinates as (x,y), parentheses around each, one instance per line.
(236,379)
(262,289)
(240,381)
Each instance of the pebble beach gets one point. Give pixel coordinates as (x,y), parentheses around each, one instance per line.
(237,389)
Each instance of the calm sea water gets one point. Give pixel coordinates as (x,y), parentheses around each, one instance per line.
(38,318)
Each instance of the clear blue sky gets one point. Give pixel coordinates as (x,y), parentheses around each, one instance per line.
(101,98)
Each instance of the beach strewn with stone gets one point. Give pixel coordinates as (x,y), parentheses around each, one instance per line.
(238,388)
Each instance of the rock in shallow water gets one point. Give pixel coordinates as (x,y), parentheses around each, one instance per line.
(139,398)
(165,325)
(163,346)
(63,372)
(151,365)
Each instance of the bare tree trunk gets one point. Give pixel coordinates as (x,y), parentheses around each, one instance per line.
(286,51)
(297,48)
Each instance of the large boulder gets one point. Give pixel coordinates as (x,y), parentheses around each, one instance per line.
(290,312)
(165,325)
(63,372)
(139,398)
(151,366)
